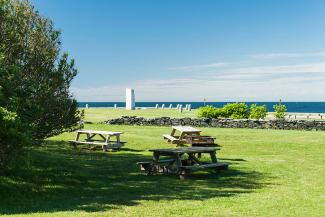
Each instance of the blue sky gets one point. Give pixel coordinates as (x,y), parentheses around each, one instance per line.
(183,50)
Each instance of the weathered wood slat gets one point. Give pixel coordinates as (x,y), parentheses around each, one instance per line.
(222,165)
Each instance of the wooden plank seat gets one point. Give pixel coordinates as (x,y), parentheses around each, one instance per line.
(171,138)
(200,139)
(218,166)
(150,167)
(104,145)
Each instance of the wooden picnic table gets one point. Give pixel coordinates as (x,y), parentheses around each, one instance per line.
(189,135)
(182,161)
(184,131)
(105,139)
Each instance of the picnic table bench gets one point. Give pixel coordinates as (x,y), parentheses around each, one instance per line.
(105,139)
(189,135)
(181,161)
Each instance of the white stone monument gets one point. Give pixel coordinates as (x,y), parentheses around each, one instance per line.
(171,106)
(163,106)
(157,106)
(115,106)
(130,99)
(189,107)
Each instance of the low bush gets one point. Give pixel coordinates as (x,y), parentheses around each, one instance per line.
(280,111)
(207,112)
(210,112)
(236,111)
(231,110)
(257,112)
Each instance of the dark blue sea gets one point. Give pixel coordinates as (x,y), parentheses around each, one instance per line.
(303,107)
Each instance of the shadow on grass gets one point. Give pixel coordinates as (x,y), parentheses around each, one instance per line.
(60,179)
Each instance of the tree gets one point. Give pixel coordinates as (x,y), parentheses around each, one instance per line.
(280,111)
(36,77)
(13,136)
(258,112)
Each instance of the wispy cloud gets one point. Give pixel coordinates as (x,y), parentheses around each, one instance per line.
(226,81)
(287,55)
(203,66)
(289,82)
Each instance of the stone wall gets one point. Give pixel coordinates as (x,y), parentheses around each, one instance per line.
(221,123)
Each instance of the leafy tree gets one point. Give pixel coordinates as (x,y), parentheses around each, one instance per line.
(13,136)
(257,112)
(36,77)
(280,110)
(236,110)
(210,112)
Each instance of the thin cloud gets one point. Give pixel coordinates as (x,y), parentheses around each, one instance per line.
(287,55)
(193,67)
(234,83)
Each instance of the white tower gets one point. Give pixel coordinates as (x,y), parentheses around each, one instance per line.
(130,99)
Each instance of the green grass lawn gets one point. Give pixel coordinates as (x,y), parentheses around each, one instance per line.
(102,114)
(96,115)
(272,173)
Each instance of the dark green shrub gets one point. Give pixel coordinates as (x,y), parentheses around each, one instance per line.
(13,136)
(257,112)
(280,111)
(236,110)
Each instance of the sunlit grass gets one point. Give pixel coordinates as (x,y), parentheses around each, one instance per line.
(103,114)
(273,173)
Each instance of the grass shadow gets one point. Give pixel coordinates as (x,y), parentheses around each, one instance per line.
(60,179)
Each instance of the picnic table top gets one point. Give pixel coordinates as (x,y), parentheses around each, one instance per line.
(185,150)
(186,129)
(99,132)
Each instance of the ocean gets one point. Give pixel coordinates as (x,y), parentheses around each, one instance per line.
(302,107)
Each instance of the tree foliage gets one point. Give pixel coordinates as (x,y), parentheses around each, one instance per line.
(35,76)
(230,110)
(210,112)
(234,111)
(280,111)
(257,112)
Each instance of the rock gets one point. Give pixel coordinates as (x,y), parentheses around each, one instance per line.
(221,123)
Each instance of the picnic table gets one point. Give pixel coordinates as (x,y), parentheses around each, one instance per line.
(181,161)
(105,139)
(189,135)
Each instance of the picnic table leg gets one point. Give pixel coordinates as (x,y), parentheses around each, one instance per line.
(105,147)
(193,159)
(214,160)
(213,157)
(173,132)
(77,139)
(118,141)
(181,172)
(156,157)
(88,138)
(78,136)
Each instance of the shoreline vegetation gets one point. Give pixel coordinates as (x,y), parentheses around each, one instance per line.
(97,115)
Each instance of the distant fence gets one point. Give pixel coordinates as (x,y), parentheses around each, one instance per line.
(305,116)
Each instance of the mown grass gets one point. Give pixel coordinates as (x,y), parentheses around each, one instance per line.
(272,173)
(96,115)
(102,114)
